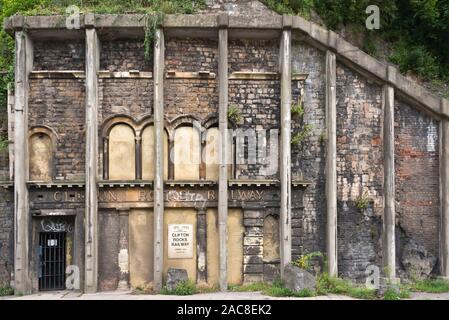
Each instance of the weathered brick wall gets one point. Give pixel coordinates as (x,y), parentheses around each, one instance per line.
(308,161)
(254,55)
(133,97)
(417,176)
(6,235)
(60,104)
(124,55)
(259,104)
(198,97)
(109,235)
(359,171)
(59,55)
(191,55)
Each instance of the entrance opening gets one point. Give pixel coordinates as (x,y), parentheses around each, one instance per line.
(52,260)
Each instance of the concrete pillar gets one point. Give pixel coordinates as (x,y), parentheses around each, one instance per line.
(223,21)
(331,164)
(201,243)
(389,251)
(23,66)
(91,219)
(159,63)
(285,159)
(444,192)
(10,104)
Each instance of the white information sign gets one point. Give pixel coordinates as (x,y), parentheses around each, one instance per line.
(180,241)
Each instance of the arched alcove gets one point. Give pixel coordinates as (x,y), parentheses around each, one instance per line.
(122,155)
(41,157)
(186,153)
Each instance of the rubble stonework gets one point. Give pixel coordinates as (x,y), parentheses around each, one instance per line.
(65,95)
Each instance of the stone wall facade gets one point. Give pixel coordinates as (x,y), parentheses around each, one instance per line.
(417,178)
(359,172)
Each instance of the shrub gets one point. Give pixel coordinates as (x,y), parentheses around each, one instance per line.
(183,288)
(6,291)
(234,114)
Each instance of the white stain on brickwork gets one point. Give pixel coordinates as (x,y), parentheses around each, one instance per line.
(432,137)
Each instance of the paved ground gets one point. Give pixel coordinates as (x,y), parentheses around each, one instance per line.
(121,295)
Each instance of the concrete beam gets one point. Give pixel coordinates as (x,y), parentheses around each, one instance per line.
(223,21)
(444,191)
(159,66)
(22,227)
(285,165)
(91,219)
(388,247)
(331,163)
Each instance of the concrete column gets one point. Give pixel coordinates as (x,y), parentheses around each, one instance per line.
(285,165)
(138,160)
(223,21)
(23,66)
(201,243)
(444,192)
(331,164)
(91,219)
(10,104)
(389,251)
(159,63)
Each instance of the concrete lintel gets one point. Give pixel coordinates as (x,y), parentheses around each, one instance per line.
(392,71)
(89,20)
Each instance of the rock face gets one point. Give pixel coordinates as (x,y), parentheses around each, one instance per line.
(174,276)
(297,279)
(417,261)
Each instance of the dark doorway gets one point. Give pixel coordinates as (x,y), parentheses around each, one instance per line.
(52,260)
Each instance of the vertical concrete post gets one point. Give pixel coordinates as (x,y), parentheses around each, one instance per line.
(10,104)
(389,251)
(123,256)
(331,164)
(159,62)
(91,218)
(444,192)
(23,66)
(223,21)
(285,165)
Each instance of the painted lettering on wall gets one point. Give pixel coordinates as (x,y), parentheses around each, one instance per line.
(49,225)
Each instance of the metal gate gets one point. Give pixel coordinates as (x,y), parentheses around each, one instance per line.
(52,260)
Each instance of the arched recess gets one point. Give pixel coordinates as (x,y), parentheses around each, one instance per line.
(186,153)
(148,153)
(41,144)
(122,152)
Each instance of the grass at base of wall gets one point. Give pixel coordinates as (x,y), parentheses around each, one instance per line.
(6,291)
(183,288)
(429,286)
(333,285)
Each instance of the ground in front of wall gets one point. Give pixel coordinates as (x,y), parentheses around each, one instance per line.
(125,295)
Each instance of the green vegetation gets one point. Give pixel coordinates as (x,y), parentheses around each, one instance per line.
(396,294)
(429,285)
(415,30)
(6,291)
(183,288)
(297,109)
(362,201)
(275,289)
(305,260)
(234,114)
(332,285)
(299,137)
